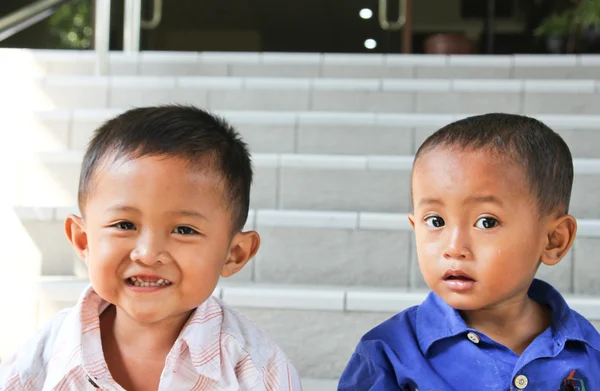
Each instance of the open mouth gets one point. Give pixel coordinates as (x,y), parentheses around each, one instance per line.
(458,278)
(457,275)
(147,282)
(458,281)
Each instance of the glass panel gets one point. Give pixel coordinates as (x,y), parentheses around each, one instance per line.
(272,26)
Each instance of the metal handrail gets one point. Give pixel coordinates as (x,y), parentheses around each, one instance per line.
(102,35)
(28,15)
(383,18)
(156,16)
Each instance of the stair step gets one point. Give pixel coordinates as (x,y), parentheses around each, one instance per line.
(317,94)
(295,181)
(298,131)
(68,62)
(319,385)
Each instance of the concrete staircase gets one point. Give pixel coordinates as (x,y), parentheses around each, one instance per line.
(333,139)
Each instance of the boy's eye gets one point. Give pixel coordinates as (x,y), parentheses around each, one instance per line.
(435,222)
(124,226)
(183,230)
(486,223)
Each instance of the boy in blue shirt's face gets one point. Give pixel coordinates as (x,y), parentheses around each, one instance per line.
(491,196)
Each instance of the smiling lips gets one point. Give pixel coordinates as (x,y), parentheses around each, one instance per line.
(147,281)
(457,280)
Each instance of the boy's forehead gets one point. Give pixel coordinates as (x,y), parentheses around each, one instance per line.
(197,163)
(442,161)
(451,171)
(133,165)
(122,175)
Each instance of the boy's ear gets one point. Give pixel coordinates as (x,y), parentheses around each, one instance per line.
(75,231)
(411,218)
(561,234)
(243,247)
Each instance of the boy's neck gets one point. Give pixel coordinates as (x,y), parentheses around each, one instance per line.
(514,324)
(135,353)
(130,336)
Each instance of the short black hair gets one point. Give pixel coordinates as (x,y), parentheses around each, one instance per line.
(186,132)
(543,155)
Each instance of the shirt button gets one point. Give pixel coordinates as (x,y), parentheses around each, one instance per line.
(473,337)
(521,382)
(89,379)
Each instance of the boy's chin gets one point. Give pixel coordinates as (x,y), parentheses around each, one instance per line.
(461,302)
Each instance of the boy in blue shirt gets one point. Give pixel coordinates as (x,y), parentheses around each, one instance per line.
(491,196)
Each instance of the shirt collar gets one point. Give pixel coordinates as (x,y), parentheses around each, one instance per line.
(567,325)
(202,335)
(78,342)
(436,320)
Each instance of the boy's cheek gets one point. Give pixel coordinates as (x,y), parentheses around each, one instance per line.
(424,238)
(429,249)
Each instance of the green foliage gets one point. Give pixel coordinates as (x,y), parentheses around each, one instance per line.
(71,26)
(557,25)
(587,13)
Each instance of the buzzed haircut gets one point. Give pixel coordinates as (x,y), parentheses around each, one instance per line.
(542,154)
(185,132)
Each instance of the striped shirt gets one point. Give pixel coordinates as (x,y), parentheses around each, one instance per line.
(218,349)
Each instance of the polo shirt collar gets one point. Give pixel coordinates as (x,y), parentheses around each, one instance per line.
(436,320)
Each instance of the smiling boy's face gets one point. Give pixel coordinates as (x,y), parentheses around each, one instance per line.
(157,235)
(478,232)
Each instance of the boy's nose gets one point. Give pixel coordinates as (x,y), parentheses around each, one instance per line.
(462,253)
(149,250)
(458,246)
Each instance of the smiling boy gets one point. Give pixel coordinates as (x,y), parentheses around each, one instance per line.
(164,195)
(491,197)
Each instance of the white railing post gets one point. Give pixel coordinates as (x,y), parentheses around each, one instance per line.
(132,25)
(102,35)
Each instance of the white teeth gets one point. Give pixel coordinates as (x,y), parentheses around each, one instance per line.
(135,281)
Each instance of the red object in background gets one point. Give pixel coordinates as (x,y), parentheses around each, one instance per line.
(449,44)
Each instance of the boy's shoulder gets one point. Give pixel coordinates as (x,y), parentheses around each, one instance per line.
(399,329)
(249,338)
(589,333)
(390,345)
(30,361)
(570,324)
(236,347)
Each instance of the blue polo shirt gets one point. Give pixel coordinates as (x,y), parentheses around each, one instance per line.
(430,348)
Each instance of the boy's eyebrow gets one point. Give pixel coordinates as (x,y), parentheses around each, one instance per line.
(430,201)
(122,208)
(180,212)
(484,199)
(473,199)
(188,213)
